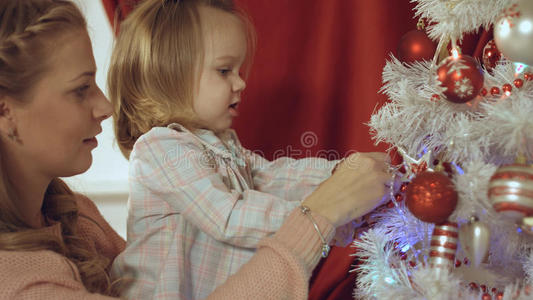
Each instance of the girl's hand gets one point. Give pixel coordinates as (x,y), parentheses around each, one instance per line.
(355,188)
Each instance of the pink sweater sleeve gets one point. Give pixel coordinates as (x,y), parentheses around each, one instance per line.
(282,265)
(279,270)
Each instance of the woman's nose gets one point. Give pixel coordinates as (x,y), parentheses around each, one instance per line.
(102,108)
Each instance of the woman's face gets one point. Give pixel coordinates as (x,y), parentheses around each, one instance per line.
(57,126)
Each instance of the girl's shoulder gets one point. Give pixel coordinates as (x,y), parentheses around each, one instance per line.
(165,138)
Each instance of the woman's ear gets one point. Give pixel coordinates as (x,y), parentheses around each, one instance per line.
(8,127)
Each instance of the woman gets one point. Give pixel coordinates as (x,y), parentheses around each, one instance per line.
(54,244)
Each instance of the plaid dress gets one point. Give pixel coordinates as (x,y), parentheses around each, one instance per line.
(199,203)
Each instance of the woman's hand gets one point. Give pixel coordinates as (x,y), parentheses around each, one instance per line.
(355,188)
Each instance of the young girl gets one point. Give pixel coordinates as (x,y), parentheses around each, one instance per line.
(199,203)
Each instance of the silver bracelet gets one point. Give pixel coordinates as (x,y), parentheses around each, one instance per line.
(325,247)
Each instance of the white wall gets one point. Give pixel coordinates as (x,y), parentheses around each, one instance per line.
(106,181)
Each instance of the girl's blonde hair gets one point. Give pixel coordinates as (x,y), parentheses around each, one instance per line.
(153,68)
(28,30)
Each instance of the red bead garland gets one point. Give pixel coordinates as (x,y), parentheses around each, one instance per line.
(507,88)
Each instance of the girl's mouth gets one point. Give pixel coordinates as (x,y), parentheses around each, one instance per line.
(233,109)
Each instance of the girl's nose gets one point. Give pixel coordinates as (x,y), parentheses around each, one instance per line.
(238,85)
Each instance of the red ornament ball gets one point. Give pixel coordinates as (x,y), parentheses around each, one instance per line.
(462,77)
(457,263)
(431,197)
(486,296)
(528,76)
(491,55)
(483,92)
(518,83)
(473,286)
(494,91)
(398,197)
(507,88)
(414,46)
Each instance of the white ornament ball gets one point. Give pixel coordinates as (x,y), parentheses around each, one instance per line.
(513,32)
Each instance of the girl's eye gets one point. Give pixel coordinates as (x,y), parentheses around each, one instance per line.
(224,71)
(81,92)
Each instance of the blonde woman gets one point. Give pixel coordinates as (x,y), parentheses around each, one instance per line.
(54,244)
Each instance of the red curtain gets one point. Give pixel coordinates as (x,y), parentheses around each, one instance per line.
(117,10)
(317,74)
(317,69)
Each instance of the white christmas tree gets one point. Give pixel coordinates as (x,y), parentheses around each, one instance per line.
(460,221)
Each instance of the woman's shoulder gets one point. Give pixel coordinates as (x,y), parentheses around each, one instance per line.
(20,269)
(94,228)
(27,262)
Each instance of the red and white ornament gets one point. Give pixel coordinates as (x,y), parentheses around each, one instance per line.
(462,77)
(443,245)
(431,197)
(511,191)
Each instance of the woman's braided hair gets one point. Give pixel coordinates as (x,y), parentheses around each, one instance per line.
(29,30)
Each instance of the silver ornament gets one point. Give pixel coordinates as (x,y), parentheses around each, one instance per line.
(513,32)
(474,238)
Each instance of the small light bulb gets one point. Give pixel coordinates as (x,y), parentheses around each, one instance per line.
(455,53)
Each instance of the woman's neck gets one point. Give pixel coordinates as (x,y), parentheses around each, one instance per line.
(30,189)
(30,201)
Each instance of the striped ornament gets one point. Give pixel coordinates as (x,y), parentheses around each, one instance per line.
(443,245)
(511,191)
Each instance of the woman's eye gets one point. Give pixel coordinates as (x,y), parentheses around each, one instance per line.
(81,92)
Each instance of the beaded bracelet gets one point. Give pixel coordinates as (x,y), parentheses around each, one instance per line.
(325,247)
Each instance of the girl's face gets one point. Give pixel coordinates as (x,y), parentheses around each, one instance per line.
(218,92)
(62,115)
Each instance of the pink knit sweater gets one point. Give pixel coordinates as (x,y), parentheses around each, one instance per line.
(279,270)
